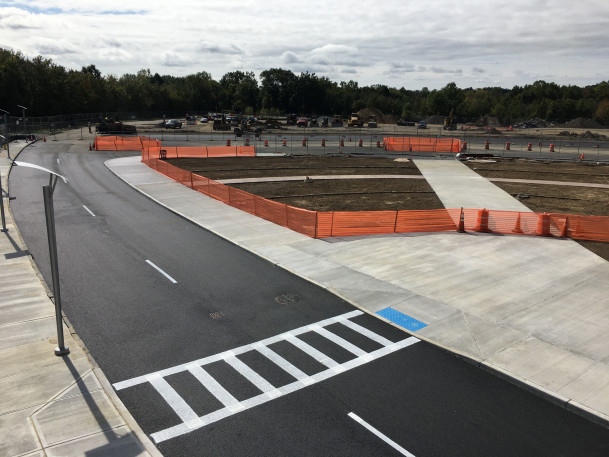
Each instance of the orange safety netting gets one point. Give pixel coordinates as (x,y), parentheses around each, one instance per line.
(420,144)
(574,226)
(173,152)
(121,143)
(322,224)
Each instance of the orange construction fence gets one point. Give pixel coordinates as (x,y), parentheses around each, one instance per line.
(124,143)
(322,224)
(421,144)
(173,152)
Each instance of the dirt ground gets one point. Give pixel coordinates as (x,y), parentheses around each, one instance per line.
(409,193)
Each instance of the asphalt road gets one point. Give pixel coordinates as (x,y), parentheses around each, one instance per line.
(149,294)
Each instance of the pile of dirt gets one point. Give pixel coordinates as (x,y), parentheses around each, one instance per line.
(534,124)
(592,135)
(365,114)
(389,119)
(587,135)
(485,121)
(582,123)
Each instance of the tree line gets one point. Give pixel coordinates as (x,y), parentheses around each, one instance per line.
(50,89)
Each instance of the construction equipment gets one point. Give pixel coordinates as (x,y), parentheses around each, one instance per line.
(337,121)
(220,123)
(355,121)
(449,122)
(372,124)
(109,125)
(244,128)
(271,124)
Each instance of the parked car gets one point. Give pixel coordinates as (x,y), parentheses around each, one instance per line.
(302,122)
(204,120)
(173,124)
(422,125)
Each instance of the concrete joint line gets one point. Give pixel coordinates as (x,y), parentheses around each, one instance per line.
(469,328)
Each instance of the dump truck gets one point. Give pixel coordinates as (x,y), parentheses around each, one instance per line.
(355,121)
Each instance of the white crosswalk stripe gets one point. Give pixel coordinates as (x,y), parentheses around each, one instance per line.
(191,421)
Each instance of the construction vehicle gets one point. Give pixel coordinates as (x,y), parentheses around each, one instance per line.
(372,124)
(270,124)
(109,125)
(337,121)
(449,122)
(220,123)
(355,121)
(244,128)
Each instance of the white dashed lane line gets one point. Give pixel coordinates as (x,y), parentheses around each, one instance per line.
(161,271)
(385,438)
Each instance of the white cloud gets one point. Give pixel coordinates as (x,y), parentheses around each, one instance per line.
(509,43)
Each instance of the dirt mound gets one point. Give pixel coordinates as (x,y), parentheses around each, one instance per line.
(587,134)
(485,121)
(594,136)
(534,124)
(365,114)
(582,123)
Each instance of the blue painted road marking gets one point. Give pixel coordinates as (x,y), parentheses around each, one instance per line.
(403,320)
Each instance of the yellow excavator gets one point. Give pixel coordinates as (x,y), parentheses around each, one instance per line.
(449,122)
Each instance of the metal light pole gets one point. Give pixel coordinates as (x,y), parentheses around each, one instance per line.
(6,135)
(47,192)
(4,229)
(23,108)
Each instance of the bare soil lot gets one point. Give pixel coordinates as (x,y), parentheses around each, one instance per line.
(409,193)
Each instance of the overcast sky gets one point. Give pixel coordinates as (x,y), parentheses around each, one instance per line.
(399,43)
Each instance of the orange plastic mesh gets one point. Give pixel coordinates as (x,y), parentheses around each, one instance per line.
(173,152)
(345,223)
(124,143)
(272,211)
(422,144)
(439,220)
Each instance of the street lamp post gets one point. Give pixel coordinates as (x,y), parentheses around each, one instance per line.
(23,108)
(47,192)
(6,133)
(4,229)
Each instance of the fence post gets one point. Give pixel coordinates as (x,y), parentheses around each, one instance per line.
(543,226)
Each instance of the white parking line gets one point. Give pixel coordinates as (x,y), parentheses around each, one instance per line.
(161,271)
(88,210)
(385,438)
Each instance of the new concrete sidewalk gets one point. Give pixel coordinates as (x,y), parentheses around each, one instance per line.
(533,309)
(49,405)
